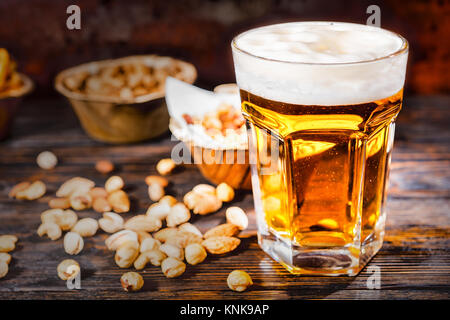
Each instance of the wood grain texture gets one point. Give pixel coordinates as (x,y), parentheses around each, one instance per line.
(414,260)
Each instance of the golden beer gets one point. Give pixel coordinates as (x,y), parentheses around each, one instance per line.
(319,171)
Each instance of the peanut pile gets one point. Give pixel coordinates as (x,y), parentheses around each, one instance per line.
(161,237)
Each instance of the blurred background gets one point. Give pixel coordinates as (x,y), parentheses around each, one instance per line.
(200,31)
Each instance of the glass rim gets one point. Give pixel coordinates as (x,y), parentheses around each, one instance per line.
(403,48)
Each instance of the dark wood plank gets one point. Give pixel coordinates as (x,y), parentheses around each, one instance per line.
(414,260)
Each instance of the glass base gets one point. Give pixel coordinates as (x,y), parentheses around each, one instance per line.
(348,260)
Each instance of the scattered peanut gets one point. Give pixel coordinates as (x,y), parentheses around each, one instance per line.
(119,201)
(3,269)
(157,180)
(101,205)
(98,192)
(36,190)
(65,219)
(117,239)
(5,257)
(126,254)
(163,234)
(111,222)
(165,166)
(202,203)
(143,223)
(7,243)
(114,183)
(158,210)
(142,235)
(178,214)
(149,244)
(80,201)
(75,185)
(237,216)
(226,230)
(51,229)
(169,200)
(155,191)
(47,160)
(131,281)
(172,251)
(189,227)
(68,269)
(195,253)
(73,243)
(104,166)
(220,245)
(155,257)
(239,280)
(204,188)
(172,267)
(17,188)
(86,227)
(184,238)
(59,203)
(224,192)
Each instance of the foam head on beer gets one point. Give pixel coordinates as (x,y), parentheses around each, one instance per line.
(320,63)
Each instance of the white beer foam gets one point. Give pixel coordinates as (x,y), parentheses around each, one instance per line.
(319,63)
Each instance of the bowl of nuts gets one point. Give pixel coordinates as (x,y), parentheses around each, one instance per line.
(122,100)
(13,87)
(211,125)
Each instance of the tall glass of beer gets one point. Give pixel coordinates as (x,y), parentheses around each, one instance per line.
(320,100)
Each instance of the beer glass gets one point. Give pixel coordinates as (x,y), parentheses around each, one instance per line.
(320,100)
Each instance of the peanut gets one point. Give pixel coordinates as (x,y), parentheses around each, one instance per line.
(114,183)
(17,188)
(189,227)
(143,223)
(204,188)
(220,245)
(163,234)
(80,201)
(239,280)
(59,203)
(142,235)
(202,203)
(73,243)
(184,238)
(119,201)
(104,166)
(51,229)
(111,222)
(172,251)
(118,238)
(5,257)
(68,269)
(237,216)
(226,230)
(47,160)
(155,192)
(172,267)
(86,227)
(131,281)
(155,257)
(149,244)
(165,166)
(169,200)
(224,192)
(126,254)
(7,243)
(76,185)
(101,205)
(178,214)
(158,210)
(98,192)
(195,253)
(67,220)
(36,190)
(157,180)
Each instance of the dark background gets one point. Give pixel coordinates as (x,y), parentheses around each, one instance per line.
(200,32)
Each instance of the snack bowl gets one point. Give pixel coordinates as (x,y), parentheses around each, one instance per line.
(218,159)
(9,103)
(114,113)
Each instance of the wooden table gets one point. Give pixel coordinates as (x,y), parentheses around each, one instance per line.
(414,260)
